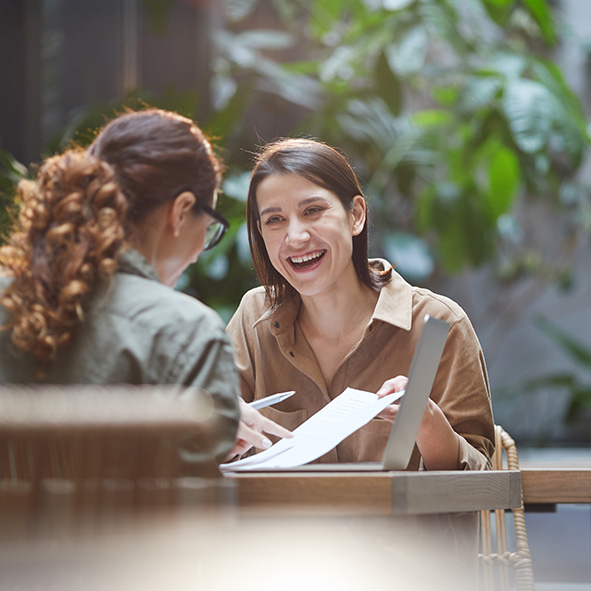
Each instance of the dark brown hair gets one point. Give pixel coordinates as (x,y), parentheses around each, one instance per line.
(75,218)
(327,168)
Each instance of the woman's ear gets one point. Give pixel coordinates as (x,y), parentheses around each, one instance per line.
(359,214)
(181,207)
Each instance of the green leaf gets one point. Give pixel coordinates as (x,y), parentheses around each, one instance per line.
(388,85)
(578,351)
(225,120)
(510,65)
(445,95)
(324,15)
(542,14)
(451,247)
(13,169)
(424,210)
(408,56)
(479,92)
(504,177)
(477,228)
(396,4)
(432,117)
(528,107)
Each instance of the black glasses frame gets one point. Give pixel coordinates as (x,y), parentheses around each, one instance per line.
(218,217)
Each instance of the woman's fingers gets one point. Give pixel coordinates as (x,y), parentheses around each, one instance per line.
(252,436)
(392,385)
(268,426)
(251,428)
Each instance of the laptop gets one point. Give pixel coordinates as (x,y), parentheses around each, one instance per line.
(405,427)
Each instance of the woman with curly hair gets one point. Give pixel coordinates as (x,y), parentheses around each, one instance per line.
(102,237)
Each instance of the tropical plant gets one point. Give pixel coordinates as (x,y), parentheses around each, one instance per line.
(572,386)
(450,110)
(578,353)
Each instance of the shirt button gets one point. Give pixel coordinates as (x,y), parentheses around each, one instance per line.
(276,324)
(370,328)
(291,353)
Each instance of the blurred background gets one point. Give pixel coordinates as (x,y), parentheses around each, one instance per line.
(467,122)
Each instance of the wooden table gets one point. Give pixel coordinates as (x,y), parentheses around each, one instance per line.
(380,493)
(401,516)
(551,482)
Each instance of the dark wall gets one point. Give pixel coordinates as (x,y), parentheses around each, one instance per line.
(20,24)
(60,57)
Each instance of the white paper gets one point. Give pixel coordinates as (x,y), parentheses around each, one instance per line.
(320,433)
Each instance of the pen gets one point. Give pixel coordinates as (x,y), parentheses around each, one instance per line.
(269,400)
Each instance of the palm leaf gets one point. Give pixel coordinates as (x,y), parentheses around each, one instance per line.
(576,350)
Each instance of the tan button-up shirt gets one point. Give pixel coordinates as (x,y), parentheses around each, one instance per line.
(273,355)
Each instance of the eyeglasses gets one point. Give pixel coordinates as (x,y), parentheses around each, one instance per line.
(216,230)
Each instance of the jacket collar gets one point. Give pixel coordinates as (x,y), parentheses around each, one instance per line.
(132,262)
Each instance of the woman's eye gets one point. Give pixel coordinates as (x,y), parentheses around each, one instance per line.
(274,219)
(313,210)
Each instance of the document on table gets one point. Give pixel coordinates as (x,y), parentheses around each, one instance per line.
(320,433)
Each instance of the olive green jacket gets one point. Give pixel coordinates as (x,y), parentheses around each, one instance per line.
(138,331)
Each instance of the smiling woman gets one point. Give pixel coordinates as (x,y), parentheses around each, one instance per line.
(327,317)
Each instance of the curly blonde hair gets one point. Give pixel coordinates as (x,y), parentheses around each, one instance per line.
(67,238)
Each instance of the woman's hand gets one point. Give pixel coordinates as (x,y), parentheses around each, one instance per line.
(436,439)
(251,428)
(390,386)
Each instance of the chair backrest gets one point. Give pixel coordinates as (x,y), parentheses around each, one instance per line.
(93,450)
(500,567)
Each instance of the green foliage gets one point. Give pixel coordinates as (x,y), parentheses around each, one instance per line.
(449,110)
(11,172)
(578,389)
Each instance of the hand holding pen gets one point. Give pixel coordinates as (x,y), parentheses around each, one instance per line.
(253,424)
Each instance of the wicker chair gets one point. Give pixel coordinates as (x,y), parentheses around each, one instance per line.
(500,568)
(74,454)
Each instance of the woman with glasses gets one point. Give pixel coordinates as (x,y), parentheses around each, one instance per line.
(103,236)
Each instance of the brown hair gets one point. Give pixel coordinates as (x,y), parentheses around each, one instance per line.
(75,218)
(327,168)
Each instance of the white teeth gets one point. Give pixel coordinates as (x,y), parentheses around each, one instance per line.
(305,258)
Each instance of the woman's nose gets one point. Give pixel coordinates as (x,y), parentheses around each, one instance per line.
(297,232)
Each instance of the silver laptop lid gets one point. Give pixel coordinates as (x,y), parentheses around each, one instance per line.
(421,376)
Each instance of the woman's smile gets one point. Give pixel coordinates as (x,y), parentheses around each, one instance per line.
(306,261)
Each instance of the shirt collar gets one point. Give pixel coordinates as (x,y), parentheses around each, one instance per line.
(132,262)
(394,304)
(395,300)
